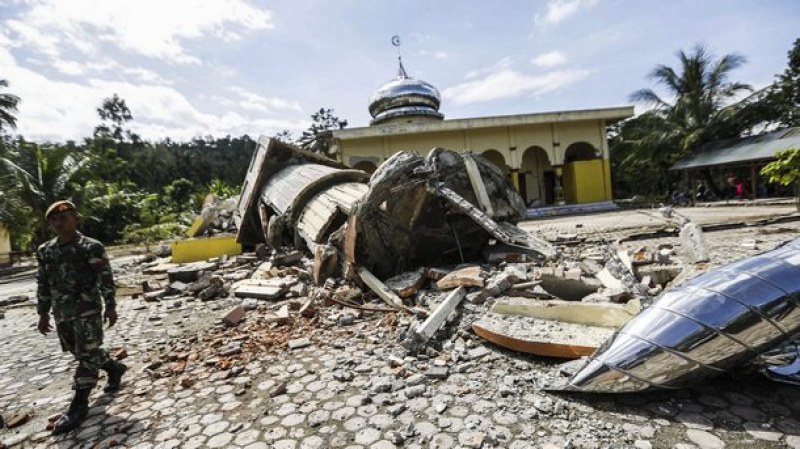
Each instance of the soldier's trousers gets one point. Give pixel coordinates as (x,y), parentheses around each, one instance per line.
(83,337)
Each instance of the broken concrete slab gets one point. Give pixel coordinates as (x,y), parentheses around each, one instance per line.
(191,272)
(326,263)
(554,283)
(379,288)
(465,277)
(299,343)
(287,259)
(541,337)
(234,316)
(693,242)
(271,289)
(407,284)
(497,286)
(436,320)
(591,314)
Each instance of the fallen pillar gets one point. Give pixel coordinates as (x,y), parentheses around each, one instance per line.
(435,320)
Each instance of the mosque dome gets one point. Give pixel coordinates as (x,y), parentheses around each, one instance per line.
(405,98)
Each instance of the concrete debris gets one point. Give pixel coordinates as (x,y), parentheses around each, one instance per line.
(295,197)
(436,320)
(591,314)
(465,277)
(408,284)
(380,289)
(541,337)
(234,317)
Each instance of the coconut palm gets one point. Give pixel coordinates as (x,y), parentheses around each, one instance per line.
(41,176)
(700,107)
(702,97)
(8,106)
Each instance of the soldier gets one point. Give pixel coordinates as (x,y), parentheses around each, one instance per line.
(74,273)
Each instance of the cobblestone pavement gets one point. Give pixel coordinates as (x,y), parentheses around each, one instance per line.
(347,390)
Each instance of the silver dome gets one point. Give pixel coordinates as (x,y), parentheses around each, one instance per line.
(404,96)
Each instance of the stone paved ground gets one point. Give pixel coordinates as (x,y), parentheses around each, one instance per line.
(614,224)
(345,390)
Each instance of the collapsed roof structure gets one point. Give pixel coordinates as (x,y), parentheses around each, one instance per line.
(444,208)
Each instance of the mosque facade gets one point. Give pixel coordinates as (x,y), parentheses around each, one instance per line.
(553,158)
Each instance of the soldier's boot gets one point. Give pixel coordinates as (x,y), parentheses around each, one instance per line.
(78,409)
(115,371)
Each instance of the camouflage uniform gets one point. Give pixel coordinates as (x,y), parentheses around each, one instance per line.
(72,278)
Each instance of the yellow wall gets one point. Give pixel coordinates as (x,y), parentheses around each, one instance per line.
(5,245)
(511,142)
(586,182)
(194,250)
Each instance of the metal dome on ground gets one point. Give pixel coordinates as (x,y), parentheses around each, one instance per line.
(405,98)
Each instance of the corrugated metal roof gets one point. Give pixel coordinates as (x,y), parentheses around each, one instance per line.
(748,149)
(319,213)
(283,187)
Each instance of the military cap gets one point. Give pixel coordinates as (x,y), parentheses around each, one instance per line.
(59,206)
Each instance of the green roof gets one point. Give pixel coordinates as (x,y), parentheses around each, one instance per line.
(748,149)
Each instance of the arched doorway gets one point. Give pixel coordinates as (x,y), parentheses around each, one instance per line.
(581,151)
(585,176)
(366,166)
(537,179)
(496,158)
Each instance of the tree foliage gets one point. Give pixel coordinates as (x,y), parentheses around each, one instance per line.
(319,137)
(700,109)
(785,170)
(8,108)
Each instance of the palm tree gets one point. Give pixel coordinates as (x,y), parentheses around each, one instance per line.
(8,105)
(40,176)
(702,95)
(700,108)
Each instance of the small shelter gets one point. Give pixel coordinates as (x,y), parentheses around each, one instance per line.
(751,153)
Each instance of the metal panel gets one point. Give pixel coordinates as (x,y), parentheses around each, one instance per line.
(281,189)
(744,150)
(715,322)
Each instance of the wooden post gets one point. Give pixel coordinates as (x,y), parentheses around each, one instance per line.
(753,183)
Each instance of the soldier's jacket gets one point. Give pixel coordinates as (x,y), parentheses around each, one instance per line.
(73,278)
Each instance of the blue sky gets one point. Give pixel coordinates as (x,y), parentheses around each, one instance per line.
(214,67)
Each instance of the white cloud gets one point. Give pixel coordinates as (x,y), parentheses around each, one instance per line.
(509,83)
(255,102)
(438,54)
(504,63)
(49,110)
(152,28)
(549,59)
(559,10)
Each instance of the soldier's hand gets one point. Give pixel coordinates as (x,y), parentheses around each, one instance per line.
(44,324)
(110,316)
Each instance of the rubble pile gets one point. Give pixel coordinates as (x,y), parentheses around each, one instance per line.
(425,254)
(430,318)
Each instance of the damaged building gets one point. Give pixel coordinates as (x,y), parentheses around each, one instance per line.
(445,208)
(551,158)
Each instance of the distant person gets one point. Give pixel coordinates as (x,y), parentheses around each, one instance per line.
(739,186)
(74,273)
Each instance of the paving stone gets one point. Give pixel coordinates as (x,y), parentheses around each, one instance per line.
(705,440)
(695,421)
(762,432)
(367,436)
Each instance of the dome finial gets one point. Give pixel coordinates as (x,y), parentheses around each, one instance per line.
(401,71)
